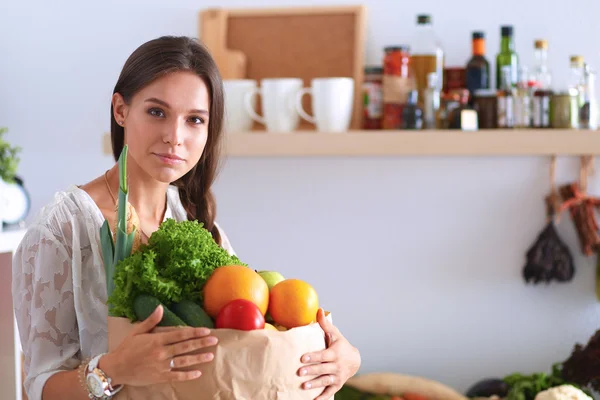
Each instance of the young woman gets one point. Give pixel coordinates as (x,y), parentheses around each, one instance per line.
(167,106)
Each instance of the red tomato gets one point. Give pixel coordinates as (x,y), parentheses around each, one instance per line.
(414,396)
(240,314)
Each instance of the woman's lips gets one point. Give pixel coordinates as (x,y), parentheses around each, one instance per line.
(171,159)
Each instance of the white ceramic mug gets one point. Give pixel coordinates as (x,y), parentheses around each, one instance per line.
(236,118)
(277,101)
(332,103)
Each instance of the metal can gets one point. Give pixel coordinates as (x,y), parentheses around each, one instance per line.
(396,85)
(564,110)
(372,98)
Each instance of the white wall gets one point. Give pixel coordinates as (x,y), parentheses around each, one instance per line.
(430,249)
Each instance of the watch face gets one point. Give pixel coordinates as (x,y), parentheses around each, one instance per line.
(95,385)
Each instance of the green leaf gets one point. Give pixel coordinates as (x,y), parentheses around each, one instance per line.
(107,244)
(129,241)
(9,159)
(173,266)
(124,241)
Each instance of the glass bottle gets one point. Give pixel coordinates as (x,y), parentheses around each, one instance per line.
(523,94)
(478,67)
(543,86)
(507,56)
(505,102)
(431,103)
(372,95)
(396,83)
(427,55)
(588,114)
(463,117)
(412,114)
(576,78)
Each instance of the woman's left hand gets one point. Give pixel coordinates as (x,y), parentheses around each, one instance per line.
(332,367)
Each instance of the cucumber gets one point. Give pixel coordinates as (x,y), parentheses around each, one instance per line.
(145,304)
(192,314)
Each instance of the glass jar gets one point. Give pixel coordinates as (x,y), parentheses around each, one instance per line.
(485,103)
(372,98)
(396,84)
(564,110)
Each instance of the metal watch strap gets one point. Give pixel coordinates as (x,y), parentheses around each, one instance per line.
(109,391)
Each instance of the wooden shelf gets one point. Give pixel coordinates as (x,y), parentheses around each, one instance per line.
(496,142)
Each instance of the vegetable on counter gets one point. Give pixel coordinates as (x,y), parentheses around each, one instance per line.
(488,387)
(562,392)
(583,365)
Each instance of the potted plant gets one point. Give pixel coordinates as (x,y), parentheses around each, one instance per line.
(9,162)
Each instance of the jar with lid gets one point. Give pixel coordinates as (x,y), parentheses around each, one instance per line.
(485,103)
(397,82)
(564,109)
(372,98)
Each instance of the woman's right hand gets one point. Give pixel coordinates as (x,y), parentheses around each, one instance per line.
(144,358)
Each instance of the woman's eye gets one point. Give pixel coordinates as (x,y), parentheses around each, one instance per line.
(196,120)
(156,112)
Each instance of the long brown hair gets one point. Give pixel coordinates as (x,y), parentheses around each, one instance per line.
(152,60)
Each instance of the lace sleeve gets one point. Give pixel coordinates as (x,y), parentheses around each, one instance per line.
(44,307)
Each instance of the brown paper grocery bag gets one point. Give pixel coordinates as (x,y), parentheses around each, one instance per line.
(248,365)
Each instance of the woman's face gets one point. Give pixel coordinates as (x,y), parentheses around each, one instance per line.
(166,125)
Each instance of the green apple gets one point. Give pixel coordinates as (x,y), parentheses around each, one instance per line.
(271,277)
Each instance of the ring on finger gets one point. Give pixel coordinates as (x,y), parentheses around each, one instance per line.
(172,363)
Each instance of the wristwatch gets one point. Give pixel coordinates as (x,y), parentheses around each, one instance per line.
(98,383)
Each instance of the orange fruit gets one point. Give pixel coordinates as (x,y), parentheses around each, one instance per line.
(293,303)
(233,282)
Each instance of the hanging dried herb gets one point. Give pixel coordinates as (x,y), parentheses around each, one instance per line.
(582,211)
(549,258)
(583,366)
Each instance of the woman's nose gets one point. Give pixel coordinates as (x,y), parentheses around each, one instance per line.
(174,132)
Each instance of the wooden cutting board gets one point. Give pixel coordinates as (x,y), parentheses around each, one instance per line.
(304,42)
(232,63)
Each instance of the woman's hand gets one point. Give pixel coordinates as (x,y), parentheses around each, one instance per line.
(336,364)
(144,358)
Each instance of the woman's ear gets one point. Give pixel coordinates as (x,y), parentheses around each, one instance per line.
(120,109)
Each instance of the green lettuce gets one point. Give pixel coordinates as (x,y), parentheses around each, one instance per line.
(173,266)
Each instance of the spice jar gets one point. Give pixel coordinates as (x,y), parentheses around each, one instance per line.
(397,83)
(564,110)
(372,98)
(485,103)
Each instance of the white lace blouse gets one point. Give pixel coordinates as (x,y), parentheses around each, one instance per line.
(59,285)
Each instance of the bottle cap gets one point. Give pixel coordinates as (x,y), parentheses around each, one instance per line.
(541,44)
(478,93)
(423,19)
(506,30)
(402,48)
(373,69)
(478,35)
(577,60)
